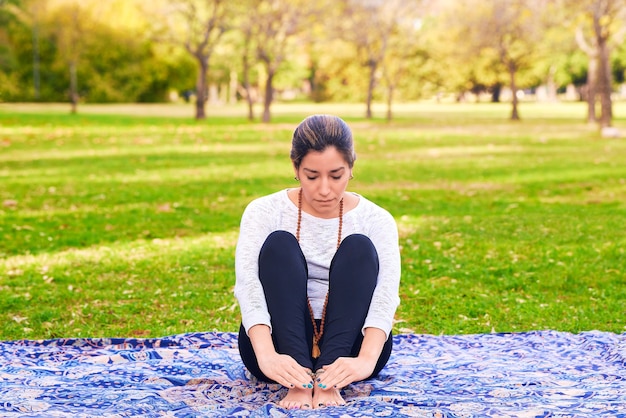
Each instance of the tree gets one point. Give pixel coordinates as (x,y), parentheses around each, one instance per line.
(197,26)
(406,56)
(274,26)
(8,86)
(244,43)
(30,14)
(368,25)
(246,65)
(69,34)
(600,28)
(506,31)
(559,58)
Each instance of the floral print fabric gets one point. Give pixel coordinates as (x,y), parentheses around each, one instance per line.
(533,374)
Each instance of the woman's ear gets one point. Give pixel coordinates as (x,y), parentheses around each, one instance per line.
(295,171)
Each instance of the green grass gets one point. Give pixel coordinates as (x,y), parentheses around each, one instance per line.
(122,221)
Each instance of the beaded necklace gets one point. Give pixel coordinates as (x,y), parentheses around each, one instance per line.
(318,332)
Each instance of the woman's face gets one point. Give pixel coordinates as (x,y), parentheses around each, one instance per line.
(323,177)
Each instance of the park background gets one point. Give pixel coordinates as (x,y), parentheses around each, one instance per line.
(132,137)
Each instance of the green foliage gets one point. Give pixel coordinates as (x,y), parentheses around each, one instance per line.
(338,77)
(113,65)
(142,78)
(572,69)
(451,49)
(118,225)
(619,65)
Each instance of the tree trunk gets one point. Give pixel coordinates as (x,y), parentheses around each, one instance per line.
(390,91)
(592,82)
(232,88)
(513,87)
(73,86)
(269,96)
(370,89)
(36,61)
(246,86)
(551,85)
(604,84)
(201,87)
(495,93)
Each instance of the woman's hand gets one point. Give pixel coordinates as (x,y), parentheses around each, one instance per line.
(285,370)
(346,370)
(343,371)
(281,368)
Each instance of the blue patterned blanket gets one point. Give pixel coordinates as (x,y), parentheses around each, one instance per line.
(534,374)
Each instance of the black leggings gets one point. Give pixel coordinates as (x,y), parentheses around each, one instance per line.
(283,274)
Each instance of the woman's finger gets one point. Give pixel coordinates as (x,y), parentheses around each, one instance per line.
(300,378)
(339,377)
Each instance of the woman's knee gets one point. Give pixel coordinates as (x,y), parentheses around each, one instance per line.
(280,244)
(280,239)
(357,253)
(359,245)
(281,261)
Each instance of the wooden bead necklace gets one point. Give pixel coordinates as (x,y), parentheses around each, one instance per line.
(318,332)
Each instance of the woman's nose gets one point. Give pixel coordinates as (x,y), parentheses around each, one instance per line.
(324,186)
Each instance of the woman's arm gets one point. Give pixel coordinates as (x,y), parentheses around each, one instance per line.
(257,222)
(383,232)
(254,227)
(372,346)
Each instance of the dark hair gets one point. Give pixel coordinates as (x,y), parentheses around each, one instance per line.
(318,132)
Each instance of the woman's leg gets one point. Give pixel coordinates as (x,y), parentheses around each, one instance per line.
(283,274)
(353,277)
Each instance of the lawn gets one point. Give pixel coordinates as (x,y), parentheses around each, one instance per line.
(121,221)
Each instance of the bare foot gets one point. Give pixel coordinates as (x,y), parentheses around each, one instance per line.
(330,397)
(297,398)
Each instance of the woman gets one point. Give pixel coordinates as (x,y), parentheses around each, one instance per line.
(317,275)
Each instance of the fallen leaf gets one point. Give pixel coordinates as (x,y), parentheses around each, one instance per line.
(19,319)
(166,207)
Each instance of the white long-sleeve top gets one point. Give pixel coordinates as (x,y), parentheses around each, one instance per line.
(318,241)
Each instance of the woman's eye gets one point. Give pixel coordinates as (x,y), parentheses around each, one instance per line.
(332,177)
